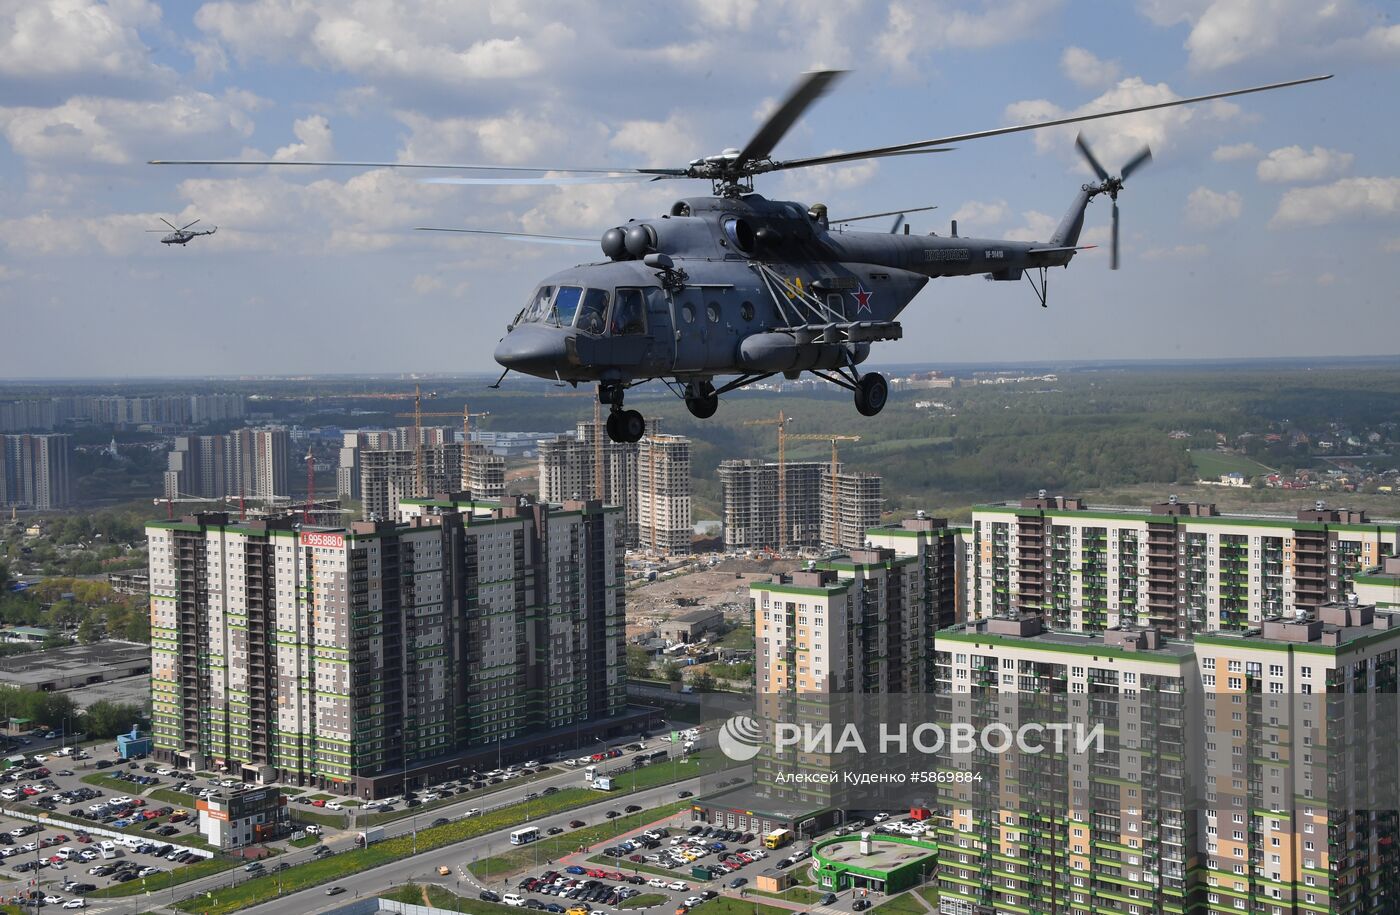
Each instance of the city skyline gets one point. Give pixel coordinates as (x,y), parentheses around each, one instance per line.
(1265,225)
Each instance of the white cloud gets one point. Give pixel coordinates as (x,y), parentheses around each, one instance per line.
(1326,279)
(982,214)
(1391,246)
(423,284)
(1236,152)
(1349,198)
(914,29)
(1113,140)
(75,38)
(1087,70)
(514,138)
(1224,33)
(1293,163)
(316,141)
(1175,252)
(1207,209)
(120,131)
(658,143)
(1036,226)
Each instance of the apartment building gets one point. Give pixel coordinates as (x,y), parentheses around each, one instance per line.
(1182,567)
(34,471)
(1237,771)
(821,510)
(252,463)
(382,655)
(655,500)
(663,494)
(939,548)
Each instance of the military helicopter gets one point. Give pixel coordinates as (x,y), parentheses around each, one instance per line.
(181,236)
(739,287)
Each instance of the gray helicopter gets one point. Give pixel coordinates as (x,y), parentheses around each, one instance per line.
(739,287)
(182,235)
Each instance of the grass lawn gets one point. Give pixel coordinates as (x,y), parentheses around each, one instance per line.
(792,894)
(739,637)
(442,898)
(304,814)
(524,857)
(305,841)
(723,905)
(102,780)
(166,879)
(171,796)
(1211,464)
(642,901)
(930,894)
(903,904)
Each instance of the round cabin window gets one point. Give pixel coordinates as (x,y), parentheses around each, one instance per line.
(746,311)
(688,314)
(712,312)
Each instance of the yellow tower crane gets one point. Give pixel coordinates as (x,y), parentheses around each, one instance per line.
(781,422)
(420,473)
(835,497)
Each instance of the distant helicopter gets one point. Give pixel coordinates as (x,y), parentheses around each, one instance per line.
(181,236)
(734,284)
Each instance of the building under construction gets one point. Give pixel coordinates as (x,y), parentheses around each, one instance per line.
(815,514)
(588,465)
(663,494)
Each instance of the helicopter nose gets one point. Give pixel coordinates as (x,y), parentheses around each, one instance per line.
(534,350)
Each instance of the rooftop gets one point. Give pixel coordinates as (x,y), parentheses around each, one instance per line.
(1319,514)
(885,853)
(748,798)
(72,661)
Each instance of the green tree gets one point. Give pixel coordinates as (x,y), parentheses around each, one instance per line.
(638,662)
(671,671)
(89,631)
(108,719)
(703,682)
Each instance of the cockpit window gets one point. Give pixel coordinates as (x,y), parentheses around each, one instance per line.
(628,314)
(538,307)
(590,313)
(565,305)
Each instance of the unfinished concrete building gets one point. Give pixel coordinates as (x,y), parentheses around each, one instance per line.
(663,494)
(851,503)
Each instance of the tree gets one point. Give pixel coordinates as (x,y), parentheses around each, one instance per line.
(638,662)
(108,719)
(703,682)
(671,671)
(89,631)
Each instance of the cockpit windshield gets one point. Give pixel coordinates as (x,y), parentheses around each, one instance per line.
(537,308)
(590,313)
(565,305)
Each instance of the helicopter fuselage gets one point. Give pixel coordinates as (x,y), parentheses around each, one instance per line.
(739,286)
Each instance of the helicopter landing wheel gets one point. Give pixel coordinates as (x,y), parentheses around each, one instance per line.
(701,400)
(872,391)
(626,426)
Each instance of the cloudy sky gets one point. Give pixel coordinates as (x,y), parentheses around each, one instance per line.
(1268,226)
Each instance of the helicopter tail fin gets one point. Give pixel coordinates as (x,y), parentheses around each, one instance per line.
(1067,232)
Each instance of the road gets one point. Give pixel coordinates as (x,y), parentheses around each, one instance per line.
(424,867)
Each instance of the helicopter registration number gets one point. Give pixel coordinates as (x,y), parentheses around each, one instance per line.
(946,254)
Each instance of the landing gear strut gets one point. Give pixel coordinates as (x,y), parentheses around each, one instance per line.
(701,399)
(871,393)
(626,426)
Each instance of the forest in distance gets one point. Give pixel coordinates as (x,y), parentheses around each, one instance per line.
(1134,432)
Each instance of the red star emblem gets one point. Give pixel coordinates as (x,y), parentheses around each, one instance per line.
(862,296)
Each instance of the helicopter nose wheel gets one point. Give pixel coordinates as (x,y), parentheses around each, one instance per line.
(701,399)
(872,391)
(626,426)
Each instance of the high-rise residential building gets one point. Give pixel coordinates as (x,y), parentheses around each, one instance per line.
(940,549)
(387,477)
(34,471)
(1235,773)
(347,473)
(663,494)
(484,474)
(384,656)
(1182,567)
(820,510)
(251,463)
(568,469)
(28,415)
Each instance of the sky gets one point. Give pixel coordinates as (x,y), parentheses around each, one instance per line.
(1268,225)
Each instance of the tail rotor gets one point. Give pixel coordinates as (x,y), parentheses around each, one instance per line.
(1111,185)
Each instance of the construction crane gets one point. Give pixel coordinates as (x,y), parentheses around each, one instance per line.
(420,484)
(781,422)
(310,486)
(182,497)
(835,497)
(597,436)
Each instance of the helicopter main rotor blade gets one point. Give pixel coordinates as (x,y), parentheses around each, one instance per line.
(187,225)
(903,212)
(1093,160)
(550,181)
(516,236)
(662,172)
(812,87)
(1058,122)
(834,158)
(1136,162)
(168,223)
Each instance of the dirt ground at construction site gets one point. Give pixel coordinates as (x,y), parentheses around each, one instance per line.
(725,583)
